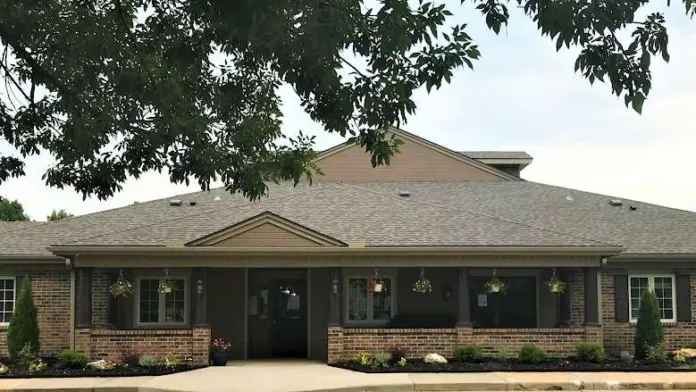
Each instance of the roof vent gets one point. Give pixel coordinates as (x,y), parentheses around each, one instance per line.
(404,193)
(615,202)
(192,203)
(632,208)
(175,202)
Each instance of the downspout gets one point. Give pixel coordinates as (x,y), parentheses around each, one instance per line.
(68,263)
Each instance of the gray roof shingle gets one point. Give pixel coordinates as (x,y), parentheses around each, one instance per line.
(462,213)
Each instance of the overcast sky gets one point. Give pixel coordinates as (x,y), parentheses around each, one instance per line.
(522,95)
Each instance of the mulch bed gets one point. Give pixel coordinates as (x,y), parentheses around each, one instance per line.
(512,365)
(119,371)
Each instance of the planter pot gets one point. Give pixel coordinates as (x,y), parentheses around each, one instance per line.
(220,358)
(494,289)
(377,288)
(556,288)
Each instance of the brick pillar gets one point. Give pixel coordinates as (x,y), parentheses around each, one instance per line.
(201,346)
(83,341)
(335,343)
(465,335)
(594,333)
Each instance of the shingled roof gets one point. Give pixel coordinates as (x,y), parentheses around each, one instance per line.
(462,213)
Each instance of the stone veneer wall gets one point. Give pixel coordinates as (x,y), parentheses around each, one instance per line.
(619,336)
(111,344)
(347,343)
(51,289)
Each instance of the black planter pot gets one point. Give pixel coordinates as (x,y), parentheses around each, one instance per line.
(220,357)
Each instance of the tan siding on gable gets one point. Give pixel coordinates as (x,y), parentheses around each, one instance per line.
(414,162)
(267,235)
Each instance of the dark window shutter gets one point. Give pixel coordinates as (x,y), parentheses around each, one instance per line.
(683,286)
(621,301)
(112,302)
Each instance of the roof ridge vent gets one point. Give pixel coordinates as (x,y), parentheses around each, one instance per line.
(404,193)
(616,202)
(175,202)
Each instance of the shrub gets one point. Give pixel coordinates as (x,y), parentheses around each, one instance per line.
(172,361)
(531,354)
(505,353)
(470,353)
(364,358)
(37,366)
(397,353)
(590,352)
(147,360)
(26,354)
(656,354)
(131,356)
(382,360)
(402,362)
(71,359)
(649,331)
(24,327)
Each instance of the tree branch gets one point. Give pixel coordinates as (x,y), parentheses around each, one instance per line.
(352,66)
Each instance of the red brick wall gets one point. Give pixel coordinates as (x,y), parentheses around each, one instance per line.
(556,342)
(619,336)
(51,289)
(111,344)
(347,343)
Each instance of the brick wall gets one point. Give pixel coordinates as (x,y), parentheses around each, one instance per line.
(347,343)
(619,336)
(100,298)
(576,292)
(51,289)
(416,342)
(556,342)
(111,344)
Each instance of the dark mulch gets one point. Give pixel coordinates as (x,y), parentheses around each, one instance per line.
(16,371)
(512,365)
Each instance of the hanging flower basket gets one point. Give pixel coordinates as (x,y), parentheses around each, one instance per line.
(555,285)
(495,285)
(377,286)
(122,287)
(166,285)
(422,285)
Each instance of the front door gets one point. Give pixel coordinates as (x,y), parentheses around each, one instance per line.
(289,318)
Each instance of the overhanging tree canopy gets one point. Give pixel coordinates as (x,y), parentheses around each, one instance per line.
(114,88)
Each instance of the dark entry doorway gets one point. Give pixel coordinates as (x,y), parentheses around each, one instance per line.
(289,318)
(278,313)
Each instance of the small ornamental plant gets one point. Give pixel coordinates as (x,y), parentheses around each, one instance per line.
(422,285)
(24,326)
(220,344)
(495,285)
(556,285)
(122,287)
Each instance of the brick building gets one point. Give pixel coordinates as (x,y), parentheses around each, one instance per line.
(328,270)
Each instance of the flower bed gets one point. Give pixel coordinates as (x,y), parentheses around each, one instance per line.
(514,365)
(53,370)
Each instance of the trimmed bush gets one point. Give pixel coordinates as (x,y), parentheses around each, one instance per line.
(531,354)
(470,353)
(71,359)
(148,360)
(649,331)
(590,352)
(24,326)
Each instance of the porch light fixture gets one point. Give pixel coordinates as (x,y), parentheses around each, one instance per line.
(334,286)
(199,286)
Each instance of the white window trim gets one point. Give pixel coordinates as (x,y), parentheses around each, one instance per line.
(651,284)
(14,298)
(347,321)
(161,303)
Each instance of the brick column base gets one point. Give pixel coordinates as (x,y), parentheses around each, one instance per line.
(593,333)
(83,341)
(335,343)
(201,346)
(465,335)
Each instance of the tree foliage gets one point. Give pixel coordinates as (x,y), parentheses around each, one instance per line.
(12,210)
(649,330)
(58,215)
(114,88)
(24,325)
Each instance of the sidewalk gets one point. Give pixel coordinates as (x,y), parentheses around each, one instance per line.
(307,376)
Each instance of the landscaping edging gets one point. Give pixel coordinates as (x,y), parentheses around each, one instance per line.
(119,372)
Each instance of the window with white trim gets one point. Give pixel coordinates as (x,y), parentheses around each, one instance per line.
(365,306)
(663,285)
(8,293)
(155,308)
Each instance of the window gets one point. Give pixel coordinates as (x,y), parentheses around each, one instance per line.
(155,308)
(664,290)
(7,298)
(365,306)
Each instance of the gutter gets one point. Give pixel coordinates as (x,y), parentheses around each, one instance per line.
(28,258)
(647,257)
(187,251)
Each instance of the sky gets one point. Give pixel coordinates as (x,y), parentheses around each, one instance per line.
(521,95)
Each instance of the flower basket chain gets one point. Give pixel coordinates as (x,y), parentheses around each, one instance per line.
(422,285)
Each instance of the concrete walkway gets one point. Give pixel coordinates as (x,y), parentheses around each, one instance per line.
(308,376)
